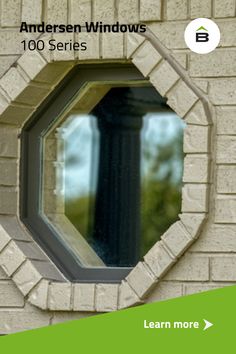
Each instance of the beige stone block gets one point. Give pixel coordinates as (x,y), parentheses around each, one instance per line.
(10,13)
(192,288)
(59,296)
(196,168)
(6,62)
(104,11)
(226,120)
(223,268)
(128,11)
(158,259)
(225,209)
(46,52)
(8,168)
(164,291)
(227,27)
(222,91)
(112,45)
(93,49)
(211,65)
(57,11)
(216,238)
(17,320)
(197,115)
(13,83)
(127,296)
(202,84)
(80,11)
(226,149)
(177,239)
(32,63)
(181,98)
(39,295)
(11,258)
(61,317)
(26,277)
(176,9)
(8,141)
(200,8)
(150,10)
(106,297)
(84,297)
(195,198)
(196,139)
(62,54)
(141,279)
(3,275)
(192,222)
(10,43)
(181,58)
(226,178)
(224,8)
(146,58)
(163,77)
(191,267)
(134,40)
(4,238)
(31,11)
(8,200)
(170,33)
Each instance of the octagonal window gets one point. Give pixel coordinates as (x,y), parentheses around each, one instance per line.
(103,172)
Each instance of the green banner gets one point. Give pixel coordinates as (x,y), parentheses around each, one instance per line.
(198,323)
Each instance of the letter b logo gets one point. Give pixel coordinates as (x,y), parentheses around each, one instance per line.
(202,37)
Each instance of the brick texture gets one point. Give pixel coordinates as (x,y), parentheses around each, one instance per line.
(224,9)
(33,293)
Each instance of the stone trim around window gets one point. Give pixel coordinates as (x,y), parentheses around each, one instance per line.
(22,89)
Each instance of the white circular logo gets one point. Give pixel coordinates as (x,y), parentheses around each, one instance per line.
(202,35)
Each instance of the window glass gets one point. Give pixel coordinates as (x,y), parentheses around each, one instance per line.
(112,170)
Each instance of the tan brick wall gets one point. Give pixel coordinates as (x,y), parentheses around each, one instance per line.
(211,261)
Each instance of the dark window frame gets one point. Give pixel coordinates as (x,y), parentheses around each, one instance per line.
(31,170)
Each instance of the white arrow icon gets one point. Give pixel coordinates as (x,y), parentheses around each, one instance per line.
(207,324)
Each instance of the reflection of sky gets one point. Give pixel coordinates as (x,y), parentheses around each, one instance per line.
(82,143)
(81,152)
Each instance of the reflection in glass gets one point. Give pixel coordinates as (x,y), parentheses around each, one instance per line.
(162,169)
(112,176)
(81,166)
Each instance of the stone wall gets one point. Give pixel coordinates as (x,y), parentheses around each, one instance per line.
(30,297)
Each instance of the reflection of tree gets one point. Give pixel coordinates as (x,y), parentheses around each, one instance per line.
(79,212)
(161,190)
(160,193)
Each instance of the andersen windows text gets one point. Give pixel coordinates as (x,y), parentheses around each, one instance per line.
(87,27)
